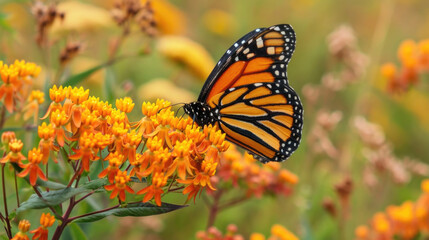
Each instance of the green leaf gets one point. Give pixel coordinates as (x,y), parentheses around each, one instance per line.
(109,84)
(134,210)
(77,232)
(49,184)
(54,198)
(51,198)
(75,79)
(95,184)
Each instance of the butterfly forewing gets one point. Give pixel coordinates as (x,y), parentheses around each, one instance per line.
(260,56)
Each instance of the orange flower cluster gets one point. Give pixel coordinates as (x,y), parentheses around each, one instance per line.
(405,221)
(257,179)
(414,58)
(171,153)
(278,232)
(46,220)
(17,78)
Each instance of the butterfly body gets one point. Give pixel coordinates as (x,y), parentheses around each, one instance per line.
(248,96)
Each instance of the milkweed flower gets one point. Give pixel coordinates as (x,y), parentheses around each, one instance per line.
(32,168)
(14,155)
(23,226)
(46,220)
(119,187)
(32,108)
(405,221)
(16,77)
(46,145)
(414,60)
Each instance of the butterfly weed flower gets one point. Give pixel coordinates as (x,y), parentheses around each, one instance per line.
(77,97)
(46,220)
(32,168)
(155,190)
(14,155)
(16,78)
(115,161)
(6,137)
(405,221)
(35,99)
(120,185)
(47,146)
(58,119)
(86,151)
(414,60)
(278,232)
(23,226)
(125,104)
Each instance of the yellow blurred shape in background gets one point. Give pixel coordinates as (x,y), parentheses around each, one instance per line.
(187,52)
(220,22)
(18,15)
(169,19)
(81,17)
(164,89)
(417,102)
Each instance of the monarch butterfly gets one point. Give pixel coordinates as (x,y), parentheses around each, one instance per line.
(248,97)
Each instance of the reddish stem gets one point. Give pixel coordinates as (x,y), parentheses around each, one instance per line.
(214,208)
(6,217)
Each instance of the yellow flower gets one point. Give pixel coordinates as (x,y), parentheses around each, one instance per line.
(78,95)
(32,168)
(187,52)
(362,232)
(24,226)
(282,233)
(81,17)
(120,186)
(162,88)
(7,136)
(287,176)
(169,19)
(425,186)
(125,105)
(46,220)
(257,236)
(220,22)
(388,70)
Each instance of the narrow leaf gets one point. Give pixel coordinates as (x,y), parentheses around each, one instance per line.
(108,86)
(51,198)
(134,210)
(77,78)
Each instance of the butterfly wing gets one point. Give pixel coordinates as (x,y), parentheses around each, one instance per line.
(260,56)
(264,118)
(248,95)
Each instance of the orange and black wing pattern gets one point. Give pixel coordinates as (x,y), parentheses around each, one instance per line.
(248,96)
(260,56)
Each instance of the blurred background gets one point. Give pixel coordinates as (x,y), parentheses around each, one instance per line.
(360,70)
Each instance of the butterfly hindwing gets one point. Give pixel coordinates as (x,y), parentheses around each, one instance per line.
(264,118)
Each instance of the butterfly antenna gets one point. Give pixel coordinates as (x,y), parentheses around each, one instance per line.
(171,105)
